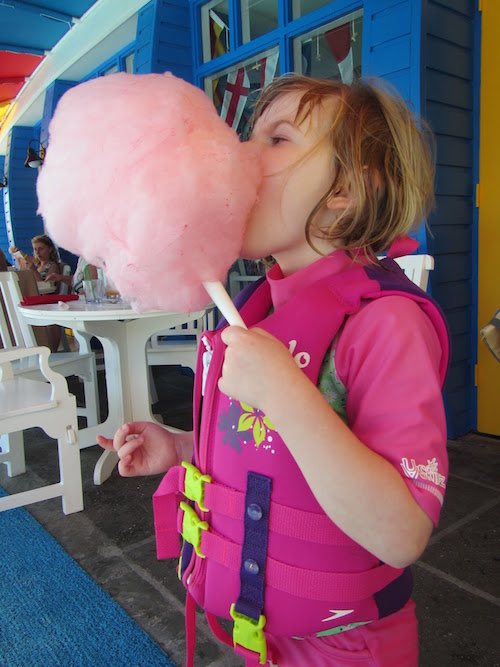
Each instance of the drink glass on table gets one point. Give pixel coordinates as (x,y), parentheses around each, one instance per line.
(111,294)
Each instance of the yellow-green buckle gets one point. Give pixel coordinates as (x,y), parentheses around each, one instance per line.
(194,485)
(192,526)
(249,633)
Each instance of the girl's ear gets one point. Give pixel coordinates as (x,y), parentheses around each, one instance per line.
(341,199)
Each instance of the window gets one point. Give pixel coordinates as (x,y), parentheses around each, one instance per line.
(258,17)
(252,56)
(215,29)
(129,63)
(111,70)
(235,89)
(303,7)
(331,51)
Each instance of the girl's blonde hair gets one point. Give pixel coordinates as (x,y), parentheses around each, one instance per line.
(47,241)
(383,156)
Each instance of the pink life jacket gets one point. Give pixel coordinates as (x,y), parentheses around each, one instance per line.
(258,547)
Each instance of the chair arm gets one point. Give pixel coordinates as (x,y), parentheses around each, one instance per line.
(59,386)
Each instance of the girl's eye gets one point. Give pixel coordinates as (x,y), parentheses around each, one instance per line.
(277,140)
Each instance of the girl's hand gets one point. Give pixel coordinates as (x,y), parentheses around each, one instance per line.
(143,448)
(53,277)
(256,366)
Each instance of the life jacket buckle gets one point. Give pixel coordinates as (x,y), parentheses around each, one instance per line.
(192,526)
(249,633)
(194,485)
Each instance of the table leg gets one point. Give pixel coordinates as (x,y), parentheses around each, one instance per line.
(113,337)
(105,466)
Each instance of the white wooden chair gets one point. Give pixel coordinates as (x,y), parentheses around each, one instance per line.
(178,346)
(15,332)
(416,268)
(238,278)
(26,404)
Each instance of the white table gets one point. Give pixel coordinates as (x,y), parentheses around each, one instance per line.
(123,334)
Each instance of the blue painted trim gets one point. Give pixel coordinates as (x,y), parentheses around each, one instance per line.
(475,210)
(234,27)
(117,59)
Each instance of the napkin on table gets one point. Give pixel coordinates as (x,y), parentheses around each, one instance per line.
(47,298)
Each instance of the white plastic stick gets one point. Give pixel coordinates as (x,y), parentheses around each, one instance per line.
(223,302)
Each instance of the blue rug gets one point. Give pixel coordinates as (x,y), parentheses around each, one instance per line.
(52,614)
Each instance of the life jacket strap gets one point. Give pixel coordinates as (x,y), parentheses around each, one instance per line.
(187,480)
(165,502)
(300,582)
(246,612)
(190,621)
(180,481)
(284,520)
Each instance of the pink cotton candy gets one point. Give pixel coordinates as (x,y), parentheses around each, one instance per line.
(142,177)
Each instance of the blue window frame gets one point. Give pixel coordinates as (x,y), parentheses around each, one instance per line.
(236,49)
(232,66)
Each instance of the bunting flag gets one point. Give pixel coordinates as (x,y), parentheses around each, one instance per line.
(268,69)
(217,48)
(235,97)
(340,44)
(306,58)
(15,68)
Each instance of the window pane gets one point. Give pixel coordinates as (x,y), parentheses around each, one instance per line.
(258,17)
(332,51)
(235,90)
(129,63)
(215,29)
(111,70)
(302,7)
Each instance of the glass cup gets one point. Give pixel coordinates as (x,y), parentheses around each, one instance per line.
(111,294)
(94,290)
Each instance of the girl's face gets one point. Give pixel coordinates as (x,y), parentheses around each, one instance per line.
(41,251)
(298,170)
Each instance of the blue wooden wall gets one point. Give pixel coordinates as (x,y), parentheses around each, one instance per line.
(164,39)
(52,96)
(4,241)
(20,201)
(448,103)
(392,52)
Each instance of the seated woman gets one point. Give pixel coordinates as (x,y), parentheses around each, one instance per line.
(45,261)
(45,258)
(4,263)
(83,272)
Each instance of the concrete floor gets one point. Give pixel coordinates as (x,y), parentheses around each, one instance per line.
(457,580)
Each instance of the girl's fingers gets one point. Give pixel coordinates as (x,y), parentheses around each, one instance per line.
(121,436)
(105,443)
(129,447)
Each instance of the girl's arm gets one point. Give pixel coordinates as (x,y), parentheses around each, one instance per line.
(360,490)
(145,448)
(58,278)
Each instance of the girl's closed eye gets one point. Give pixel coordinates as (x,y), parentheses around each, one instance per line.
(277,140)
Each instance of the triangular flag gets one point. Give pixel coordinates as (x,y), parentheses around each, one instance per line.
(340,44)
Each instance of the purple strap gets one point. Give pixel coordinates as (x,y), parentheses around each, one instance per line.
(254,550)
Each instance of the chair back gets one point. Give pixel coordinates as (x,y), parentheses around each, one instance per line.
(66,271)
(416,268)
(238,277)
(14,332)
(188,331)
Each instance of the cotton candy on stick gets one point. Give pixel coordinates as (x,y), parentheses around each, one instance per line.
(142,177)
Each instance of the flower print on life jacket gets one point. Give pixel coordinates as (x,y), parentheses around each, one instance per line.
(241,425)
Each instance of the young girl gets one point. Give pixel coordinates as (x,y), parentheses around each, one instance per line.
(321,428)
